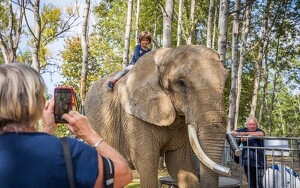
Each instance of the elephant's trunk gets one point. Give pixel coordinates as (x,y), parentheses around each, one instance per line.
(222,170)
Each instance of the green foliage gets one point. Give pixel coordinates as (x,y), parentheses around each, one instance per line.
(49,22)
(285,114)
(102,60)
(62,130)
(5,28)
(4,12)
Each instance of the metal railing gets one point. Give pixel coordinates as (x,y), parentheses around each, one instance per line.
(281,162)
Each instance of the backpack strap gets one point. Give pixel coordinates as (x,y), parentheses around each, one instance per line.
(108,172)
(68,161)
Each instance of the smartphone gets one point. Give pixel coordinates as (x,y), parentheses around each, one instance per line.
(63,102)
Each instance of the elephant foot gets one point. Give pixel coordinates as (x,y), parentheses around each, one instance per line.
(187,180)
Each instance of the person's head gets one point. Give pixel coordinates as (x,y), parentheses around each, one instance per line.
(251,123)
(145,36)
(21,95)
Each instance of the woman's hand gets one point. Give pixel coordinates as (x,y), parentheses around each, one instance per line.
(80,126)
(49,125)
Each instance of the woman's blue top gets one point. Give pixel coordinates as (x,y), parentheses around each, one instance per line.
(36,160)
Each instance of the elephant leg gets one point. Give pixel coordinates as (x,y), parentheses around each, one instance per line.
(147,167)
(144,151)
(180,167)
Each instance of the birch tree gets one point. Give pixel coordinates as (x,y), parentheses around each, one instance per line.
(280,19)
(179,24)
(127,34)
(13,32)
(45,29)
(84,46)
(234,65)
(244,35)
(258,62)
(167,23)
(192,24)
(223,29)
(214,35)
(210,23)
(36,34)
(137,22)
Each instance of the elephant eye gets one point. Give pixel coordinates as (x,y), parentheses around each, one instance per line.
(181,83)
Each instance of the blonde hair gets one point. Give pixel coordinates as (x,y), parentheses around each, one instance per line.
(21,94)
(145,34)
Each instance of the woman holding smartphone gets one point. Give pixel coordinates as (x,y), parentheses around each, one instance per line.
(35,159)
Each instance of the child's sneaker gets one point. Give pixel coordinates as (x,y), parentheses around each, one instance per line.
(110,85)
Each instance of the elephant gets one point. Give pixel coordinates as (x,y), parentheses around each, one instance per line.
(171,103)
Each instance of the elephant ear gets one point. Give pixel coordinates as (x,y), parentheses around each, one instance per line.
(141,93)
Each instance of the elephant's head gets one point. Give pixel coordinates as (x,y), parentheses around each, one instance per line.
(185,81)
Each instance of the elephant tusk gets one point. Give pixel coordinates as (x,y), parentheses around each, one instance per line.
(203,157)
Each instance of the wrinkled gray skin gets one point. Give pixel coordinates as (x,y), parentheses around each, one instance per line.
(149,109)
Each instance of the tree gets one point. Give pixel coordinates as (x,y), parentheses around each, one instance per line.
(167,24)
(49,24)
(137,21)
(210,23)
(244,35)
(223,29)
(36,33)
(127,34)
(234,65)
(192,23)
(84,45)
(11,27)
(179,24)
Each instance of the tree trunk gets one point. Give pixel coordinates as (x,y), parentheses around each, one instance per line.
(258,63)
(210,23)
(85,53)
(265,82)
(245,31)
(276,75)
(266,68)
(167,23)
(223,29)
(234,65)
(127,34)
(192,20)
(272,104)
(137,22)
(9,49)
(36,36)
(4,50)
(179,25)
(215,33)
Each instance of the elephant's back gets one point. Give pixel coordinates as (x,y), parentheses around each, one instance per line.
(97,100)
(103,112)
